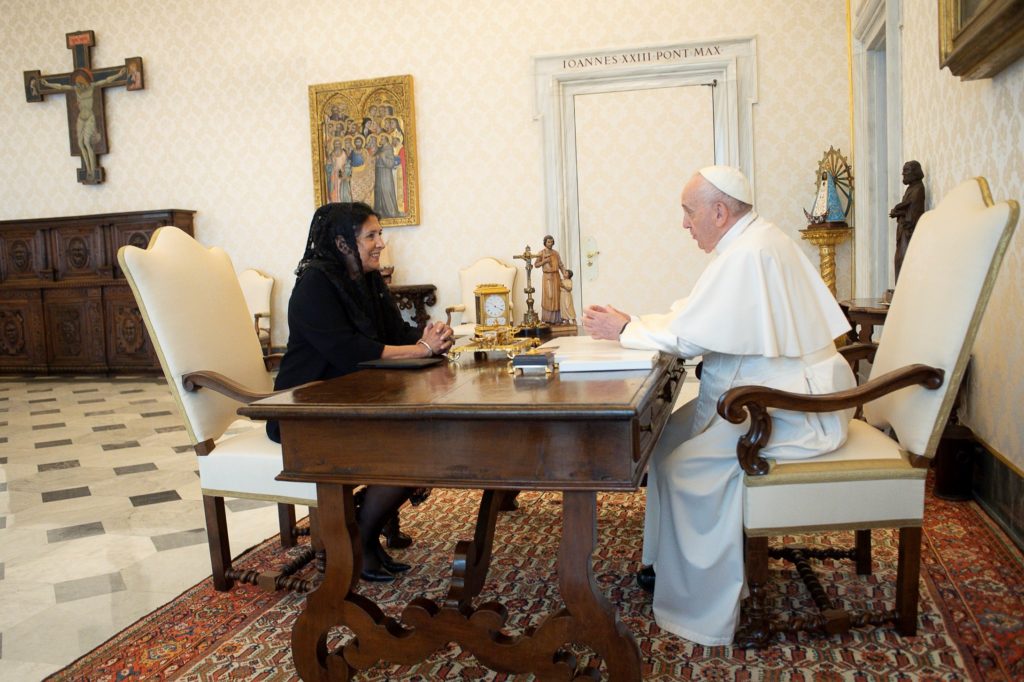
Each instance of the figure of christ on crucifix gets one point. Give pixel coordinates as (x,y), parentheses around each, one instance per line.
(84,94)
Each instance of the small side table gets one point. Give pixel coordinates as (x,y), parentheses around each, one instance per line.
(865,313)
(415,297)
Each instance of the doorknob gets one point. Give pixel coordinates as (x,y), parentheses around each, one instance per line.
(589,251)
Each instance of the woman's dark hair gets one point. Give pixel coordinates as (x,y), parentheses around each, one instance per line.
(364,295)
(330,222)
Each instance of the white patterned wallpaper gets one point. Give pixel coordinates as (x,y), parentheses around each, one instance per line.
(958,130)
(222,126)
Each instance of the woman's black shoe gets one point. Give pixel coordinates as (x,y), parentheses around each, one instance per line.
(394,536)
(645,578)
(390,564)
(377,575)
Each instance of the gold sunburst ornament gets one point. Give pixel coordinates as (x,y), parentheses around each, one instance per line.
(833,203)
(833,200)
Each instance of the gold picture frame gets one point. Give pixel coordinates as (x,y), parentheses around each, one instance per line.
(363,135)
(980,38)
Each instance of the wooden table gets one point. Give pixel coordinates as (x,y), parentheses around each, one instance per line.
(469,425)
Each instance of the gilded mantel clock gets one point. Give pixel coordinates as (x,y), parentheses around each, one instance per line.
(493,308)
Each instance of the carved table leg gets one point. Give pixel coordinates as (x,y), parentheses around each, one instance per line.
(331,601)
(595,621)
(426,626)
(473,557)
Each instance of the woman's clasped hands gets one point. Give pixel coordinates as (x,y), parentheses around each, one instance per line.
(437,338)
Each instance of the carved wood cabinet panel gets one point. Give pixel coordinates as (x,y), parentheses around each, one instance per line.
(64,304)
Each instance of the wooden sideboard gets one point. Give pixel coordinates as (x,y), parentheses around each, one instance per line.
(64,303)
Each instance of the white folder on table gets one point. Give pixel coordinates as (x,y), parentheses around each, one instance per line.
(587,354)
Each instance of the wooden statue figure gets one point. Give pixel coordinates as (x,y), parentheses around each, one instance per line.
(568,309)
(908,211)
(550,264)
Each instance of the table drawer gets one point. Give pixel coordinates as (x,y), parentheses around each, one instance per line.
(655,413)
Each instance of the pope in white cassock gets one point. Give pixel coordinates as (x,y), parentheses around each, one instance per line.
(759,314)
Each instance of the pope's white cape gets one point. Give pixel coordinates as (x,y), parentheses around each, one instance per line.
(770,313)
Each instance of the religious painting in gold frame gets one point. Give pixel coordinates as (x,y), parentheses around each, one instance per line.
(980,38)
(363,135)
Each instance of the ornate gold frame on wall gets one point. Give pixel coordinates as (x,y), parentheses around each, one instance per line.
(980,38)
(379,107)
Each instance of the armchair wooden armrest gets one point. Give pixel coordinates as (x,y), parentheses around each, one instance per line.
(215,381)
(272,361)
(460,308)
(736,403)
(859,351)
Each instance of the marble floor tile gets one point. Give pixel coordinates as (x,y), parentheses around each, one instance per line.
(184,538)
(69,512)
(24,670)
(21,542)
(22,600)
(105,560)
(65,494)
(81,558)
(155,498)
(134,468)
(82,530)
(60,634)
(83,588)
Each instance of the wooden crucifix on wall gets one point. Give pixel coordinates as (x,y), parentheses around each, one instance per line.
(83,90)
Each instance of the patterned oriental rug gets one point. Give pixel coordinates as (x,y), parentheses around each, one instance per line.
(971,612)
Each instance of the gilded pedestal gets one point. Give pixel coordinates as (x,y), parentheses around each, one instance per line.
(827,239)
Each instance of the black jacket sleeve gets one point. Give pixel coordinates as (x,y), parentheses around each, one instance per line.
(321,327)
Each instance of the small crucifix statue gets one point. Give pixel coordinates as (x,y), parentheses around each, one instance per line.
(530,318)
(83,89)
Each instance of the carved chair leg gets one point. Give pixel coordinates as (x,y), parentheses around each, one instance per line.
(286,521)
(756,630)
(217,538)
(863,551)
(908,570)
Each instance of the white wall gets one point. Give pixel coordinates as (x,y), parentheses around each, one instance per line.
(223,125)
(958,130)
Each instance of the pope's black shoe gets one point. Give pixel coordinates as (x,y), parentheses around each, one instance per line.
(377,575)
(645,578)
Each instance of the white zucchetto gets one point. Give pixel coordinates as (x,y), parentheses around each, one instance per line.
(730,181)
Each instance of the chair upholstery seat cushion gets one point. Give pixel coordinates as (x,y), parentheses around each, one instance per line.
(868,482)
(245,465)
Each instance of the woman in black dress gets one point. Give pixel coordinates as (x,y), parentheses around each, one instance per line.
(340,314)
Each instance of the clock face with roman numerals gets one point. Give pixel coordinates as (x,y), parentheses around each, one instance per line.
(495,309)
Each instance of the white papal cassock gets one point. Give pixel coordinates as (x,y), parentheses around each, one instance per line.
(759,314)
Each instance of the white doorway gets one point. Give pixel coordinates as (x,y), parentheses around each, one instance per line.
(878,140)
(633,148)
(623,129)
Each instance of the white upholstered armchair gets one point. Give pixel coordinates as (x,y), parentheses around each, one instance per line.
(877,478)
(258,290)
(462,317)
(200,325)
